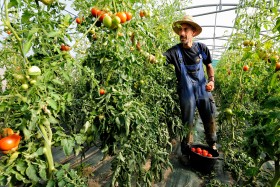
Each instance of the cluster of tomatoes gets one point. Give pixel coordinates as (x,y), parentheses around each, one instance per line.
(9,141)
(109,19)
(65,47)
(202,152)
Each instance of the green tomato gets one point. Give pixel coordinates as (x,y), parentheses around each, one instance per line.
(32,82)
(18,77)
(107,21)
(115,22)
(34,71)
(228,111)
(24,86)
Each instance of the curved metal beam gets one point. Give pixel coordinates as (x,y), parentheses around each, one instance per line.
(229,9)
(207,5)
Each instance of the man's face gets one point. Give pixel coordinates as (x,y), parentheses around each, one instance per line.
(186,33)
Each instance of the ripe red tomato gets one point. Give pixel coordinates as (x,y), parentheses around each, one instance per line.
(9,142)
(199,150)
(209,155)
(142,14)
(245,68)
(78,21)
(67,48)
(277,66)
(208,87)
(102,15)
(193,149)
(62,47)
(122,16)
(102,91)
(128,16)
(204,152)
(95,12)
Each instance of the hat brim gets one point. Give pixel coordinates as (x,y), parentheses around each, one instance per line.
(177,24)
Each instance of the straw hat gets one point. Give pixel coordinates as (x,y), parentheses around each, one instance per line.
(189,20)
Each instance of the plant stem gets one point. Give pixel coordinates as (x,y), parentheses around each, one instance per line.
(8,24)
(114,5)
(48,150)
(85,33)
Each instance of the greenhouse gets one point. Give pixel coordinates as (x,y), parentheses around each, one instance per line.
(141,93)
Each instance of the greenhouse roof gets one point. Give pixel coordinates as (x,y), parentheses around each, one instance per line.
(216,18)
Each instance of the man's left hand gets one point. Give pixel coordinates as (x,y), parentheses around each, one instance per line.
(210,86)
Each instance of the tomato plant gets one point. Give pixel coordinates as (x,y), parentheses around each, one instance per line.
(249,111)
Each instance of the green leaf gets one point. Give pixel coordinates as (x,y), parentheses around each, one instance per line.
(43,172)
(52,104)
(68,145)
(54,34)
(127,125)
(58,82)
(26,16)
(31,172)
(13,3)
(50,183)
(52,120)
(27,46)
(277,25)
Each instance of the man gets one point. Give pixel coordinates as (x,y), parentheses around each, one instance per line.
(194,90)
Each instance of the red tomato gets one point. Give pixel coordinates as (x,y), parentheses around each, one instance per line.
(199,150)
(204,152)
(208,87)
(78,21)
(9,142)
(245,68)
(209,155)
(193,149)
(277,67)
(128,16)
(103,14)
(122,16)
(142,14)
(102,91)
(67,48)
(95,12)
(62,47)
